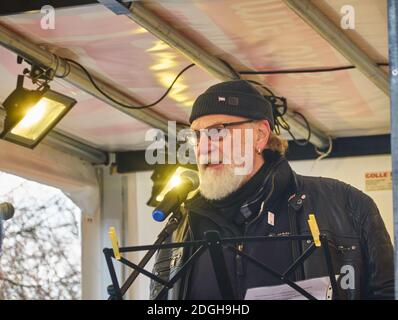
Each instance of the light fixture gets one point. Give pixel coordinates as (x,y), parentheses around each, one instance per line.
(31,114)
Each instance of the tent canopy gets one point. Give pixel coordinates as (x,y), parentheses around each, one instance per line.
(257,35)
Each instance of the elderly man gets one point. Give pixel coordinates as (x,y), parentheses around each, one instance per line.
(258,194)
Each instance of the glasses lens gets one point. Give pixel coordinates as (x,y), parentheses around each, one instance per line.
(190,136)
(217,134)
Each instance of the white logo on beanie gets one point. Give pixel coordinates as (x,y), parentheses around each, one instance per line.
(221,98)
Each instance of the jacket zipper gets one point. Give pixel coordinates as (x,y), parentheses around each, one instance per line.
(240,246)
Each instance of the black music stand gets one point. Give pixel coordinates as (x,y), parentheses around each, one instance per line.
(214,244)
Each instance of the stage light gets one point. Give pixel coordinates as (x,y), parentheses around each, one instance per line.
(32,114)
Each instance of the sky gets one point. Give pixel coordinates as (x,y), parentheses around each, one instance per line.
(39,191)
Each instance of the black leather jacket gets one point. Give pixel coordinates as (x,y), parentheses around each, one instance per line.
(355,230)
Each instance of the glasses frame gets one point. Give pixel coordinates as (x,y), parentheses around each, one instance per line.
(224,125)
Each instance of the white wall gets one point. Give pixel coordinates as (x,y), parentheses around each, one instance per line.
(123,207)
(143,229)
(112,213)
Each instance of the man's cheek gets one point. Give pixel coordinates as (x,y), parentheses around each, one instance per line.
(243,154)
(225,150)
(247,167)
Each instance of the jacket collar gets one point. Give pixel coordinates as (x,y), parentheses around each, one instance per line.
(280,173)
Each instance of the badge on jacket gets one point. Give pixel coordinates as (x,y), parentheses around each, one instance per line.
(271,218)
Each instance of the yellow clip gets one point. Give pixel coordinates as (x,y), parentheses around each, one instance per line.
(115,244)
(314,229)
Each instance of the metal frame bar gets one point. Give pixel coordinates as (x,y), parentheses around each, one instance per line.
(393,57)
(304,8)
(115,283)
(214,243)
(175,39)
(274,273)
(219,265)
(17,7)
(142,265)
(144,272)
(74,75)
(329,263)
(300,259)
(76,148)
(211,64)
(180,272)
(318,21)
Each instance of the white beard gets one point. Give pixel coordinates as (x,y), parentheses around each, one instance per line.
(216,184)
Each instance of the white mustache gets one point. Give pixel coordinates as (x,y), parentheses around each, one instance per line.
(204,159)
(226,183)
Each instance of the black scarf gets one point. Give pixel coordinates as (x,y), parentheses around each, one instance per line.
(269,182)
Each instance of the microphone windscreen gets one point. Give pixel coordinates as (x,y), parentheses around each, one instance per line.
(192,176)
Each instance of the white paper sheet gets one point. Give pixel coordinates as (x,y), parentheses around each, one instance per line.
(318,287)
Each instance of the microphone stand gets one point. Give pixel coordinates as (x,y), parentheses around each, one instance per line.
(116,293)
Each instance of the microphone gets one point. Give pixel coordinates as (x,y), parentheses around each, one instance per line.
(6,211)
(176,196)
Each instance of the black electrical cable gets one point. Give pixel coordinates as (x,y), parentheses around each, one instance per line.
(315,70)
(307,140)
(298,71)
(237,74)
(280,122)
(120,103)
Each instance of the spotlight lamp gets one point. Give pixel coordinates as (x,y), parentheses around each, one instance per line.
(32,114)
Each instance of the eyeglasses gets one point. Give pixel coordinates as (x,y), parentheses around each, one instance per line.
(214,133)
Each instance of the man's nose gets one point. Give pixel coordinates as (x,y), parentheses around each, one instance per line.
(205,145)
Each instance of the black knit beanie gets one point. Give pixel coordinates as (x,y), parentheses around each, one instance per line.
(237,98)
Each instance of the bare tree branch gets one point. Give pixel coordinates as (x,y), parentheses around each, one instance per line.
(40,257)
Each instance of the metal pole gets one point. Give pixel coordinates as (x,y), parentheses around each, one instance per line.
(338,39)
(75,148)
(217,68)
(393,57)
(32,52)
(219,265)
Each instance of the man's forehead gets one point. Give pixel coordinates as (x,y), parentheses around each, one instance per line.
(214,119)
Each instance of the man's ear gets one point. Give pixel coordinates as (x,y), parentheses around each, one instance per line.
(264,131)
